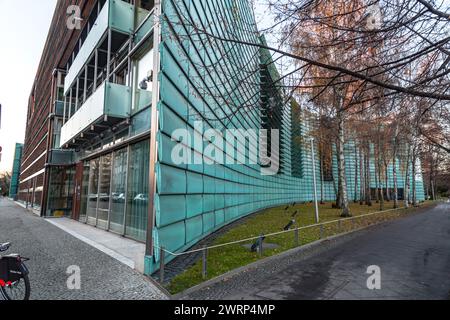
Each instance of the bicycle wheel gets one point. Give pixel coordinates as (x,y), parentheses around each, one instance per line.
(18,290)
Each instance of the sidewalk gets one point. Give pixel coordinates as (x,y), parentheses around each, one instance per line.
(52,251)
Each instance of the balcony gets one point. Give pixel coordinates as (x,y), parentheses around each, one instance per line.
(109,104)
(116,16)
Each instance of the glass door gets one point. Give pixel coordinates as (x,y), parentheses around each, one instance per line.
(104,192)
(137,196)
(93,192)
(118,191)
(84,192)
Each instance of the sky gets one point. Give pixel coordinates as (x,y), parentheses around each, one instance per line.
(23,30)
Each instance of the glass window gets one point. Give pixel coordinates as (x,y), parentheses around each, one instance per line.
(93,192)
(142,83)
(141,122)
(57,133)
(104,191)
(137,196)
(60,193)
(84,192)
(118,191)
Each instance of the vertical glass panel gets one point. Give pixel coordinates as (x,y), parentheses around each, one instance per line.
(137,197)
(84,192)
(118,191)
(142,81)
(104,191)
(60,193)
(93,192)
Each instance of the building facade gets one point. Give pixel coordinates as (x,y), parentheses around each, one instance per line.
(15,173)
(142,79)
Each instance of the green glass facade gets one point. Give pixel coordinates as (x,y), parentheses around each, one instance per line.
(15,174)
(202,78)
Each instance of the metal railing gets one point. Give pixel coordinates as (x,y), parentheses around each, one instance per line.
(260,239)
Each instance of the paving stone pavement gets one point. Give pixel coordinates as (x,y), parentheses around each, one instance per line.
(52,251)
(413,254)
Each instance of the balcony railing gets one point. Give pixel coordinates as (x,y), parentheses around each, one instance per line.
(109,101)
(116,15)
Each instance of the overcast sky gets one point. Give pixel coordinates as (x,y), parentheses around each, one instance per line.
(23,29)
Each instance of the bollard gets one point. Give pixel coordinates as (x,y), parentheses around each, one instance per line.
(261,240)
(322,233)
(339,226)
(297,237)
(161,265)
(205,263)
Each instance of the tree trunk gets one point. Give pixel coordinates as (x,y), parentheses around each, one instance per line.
(362,179)
(386,179)
(414,189)
(322,179)
(394,170)
(406,196)
(341,166)
(380,186)
(367,167)
(355,198)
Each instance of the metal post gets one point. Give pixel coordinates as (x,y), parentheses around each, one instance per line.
(297,237)
(322,232)
(339,226)
(161,265)
(108,58)
(95,70)
(261,240)
(314,181)
(205,263)
(77,94)
(85,84)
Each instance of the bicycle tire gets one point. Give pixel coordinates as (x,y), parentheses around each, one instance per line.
(26,297)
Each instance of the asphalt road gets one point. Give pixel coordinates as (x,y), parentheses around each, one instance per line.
(413,254)
(52,252)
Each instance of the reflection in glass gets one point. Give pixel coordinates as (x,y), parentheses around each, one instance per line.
(93,192)
(118,191)
(84,192)
(104,192)
(142,81)
(60,192)
(137,196)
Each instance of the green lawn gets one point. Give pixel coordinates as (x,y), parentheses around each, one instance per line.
(227,258)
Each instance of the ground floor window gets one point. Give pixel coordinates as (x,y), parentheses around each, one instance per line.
(60,191)
(115,191)
(137,199)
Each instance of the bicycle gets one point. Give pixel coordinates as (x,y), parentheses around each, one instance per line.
(14,281)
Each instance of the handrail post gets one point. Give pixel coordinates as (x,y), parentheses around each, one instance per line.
(261,240)
(205,262)
(161,265)
(297,237)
